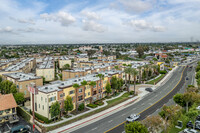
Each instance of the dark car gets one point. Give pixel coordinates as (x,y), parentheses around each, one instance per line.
(149,89)
(187,78)
(189,124)
(21,129)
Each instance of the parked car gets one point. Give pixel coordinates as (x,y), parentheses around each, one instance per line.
(21,129)
(149,89)
(187,78)
(189,131)
(198,108)
(189,124)
(197,125)
(132,118)
(198,118)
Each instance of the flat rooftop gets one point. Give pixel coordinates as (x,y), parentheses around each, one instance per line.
(64,58)
(19,76)
(46,64)
(57,85)
(19,65)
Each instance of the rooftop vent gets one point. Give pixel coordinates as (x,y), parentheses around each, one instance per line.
(75,80)
(46,88)
(62,83)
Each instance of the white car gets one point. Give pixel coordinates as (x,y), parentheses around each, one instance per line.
(198,108)
(132,118)
(187,130)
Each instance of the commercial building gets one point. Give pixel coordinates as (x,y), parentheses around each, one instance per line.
(23,80)
(46,69)
(64,60)
(8,112)
(59,90)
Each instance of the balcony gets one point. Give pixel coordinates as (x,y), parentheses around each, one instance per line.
(13,119)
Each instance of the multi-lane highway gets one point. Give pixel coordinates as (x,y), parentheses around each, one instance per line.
(146,106)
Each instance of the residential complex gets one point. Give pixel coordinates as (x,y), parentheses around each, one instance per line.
(59,90)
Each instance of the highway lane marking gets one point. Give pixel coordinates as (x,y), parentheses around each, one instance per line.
(94,128)
(152,104)
(133,109)
(123,114)
(110,121)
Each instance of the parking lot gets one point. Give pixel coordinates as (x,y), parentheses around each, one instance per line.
(6,127)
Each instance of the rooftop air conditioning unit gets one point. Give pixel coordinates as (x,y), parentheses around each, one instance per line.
(46,88)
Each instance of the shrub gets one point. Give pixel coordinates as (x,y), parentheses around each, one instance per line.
(41,118)
(163,72)
(131,92)
(92,105)
(81,107)
(108,97)
(23,113)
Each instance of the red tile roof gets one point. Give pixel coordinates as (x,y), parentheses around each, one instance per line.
(7,102)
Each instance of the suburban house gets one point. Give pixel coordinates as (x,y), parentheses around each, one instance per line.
(8,111)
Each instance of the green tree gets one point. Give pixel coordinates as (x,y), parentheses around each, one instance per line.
(134,73)
(68,104)
(84,83)
(101,76)
(19,97)
(7,87)
(114,83)
(135,127)
(140,51)
(66,67)
(1,79)
(76,86)
(55,110)
(179,99)
(108,88)
(192,113)
(91,53)
(198,75)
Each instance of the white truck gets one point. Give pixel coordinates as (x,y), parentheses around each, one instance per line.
(132,118)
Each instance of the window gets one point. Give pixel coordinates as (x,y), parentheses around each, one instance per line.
(41,98)
(25,92)
(80,90)
(85,94)
(45,100)
(71,92)
(88,93)
(61,95)
(103,88)
(95,86)
(13,110)
(43,107)
(39,105)
(7,111)
(52,99)
(80,98)
(72,99)
(99,90)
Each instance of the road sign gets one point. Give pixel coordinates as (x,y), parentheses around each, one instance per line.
(32,89)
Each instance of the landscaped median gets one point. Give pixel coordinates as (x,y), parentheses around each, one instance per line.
(156,80)
(110,103)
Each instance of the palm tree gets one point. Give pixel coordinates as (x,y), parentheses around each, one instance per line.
(101,76)
(76,86)
(128,71)
(92,84)
(146,67)
(84,83)
(140,76)
(154,69)
(134,73)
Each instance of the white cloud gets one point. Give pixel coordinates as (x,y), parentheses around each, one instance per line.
(90,15)
(63,17)
(140,25)
(6,29)
(92,26)
(20,20)
(136,6)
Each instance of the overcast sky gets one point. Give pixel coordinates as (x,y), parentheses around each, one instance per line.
(98,21)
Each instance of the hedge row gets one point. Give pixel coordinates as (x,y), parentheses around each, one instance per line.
(23,113)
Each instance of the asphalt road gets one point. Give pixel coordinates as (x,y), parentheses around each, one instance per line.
(120,116)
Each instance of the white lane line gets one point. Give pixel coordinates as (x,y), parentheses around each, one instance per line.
(94,128)
(142,104)
(123,114)
(133,109)
(110,121)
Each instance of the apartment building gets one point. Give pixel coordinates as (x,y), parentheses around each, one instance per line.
(82,64)
(46,69)
(59,90)
(26,65)
(64,60)
(79,72)
(110,57)
(81,58)
(8,112)
(7,62)
(23,80)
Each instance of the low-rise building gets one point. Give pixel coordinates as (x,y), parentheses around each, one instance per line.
(81,58)
(64,60)
(59,90)
(22,81)
(46,69)
(8,111)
